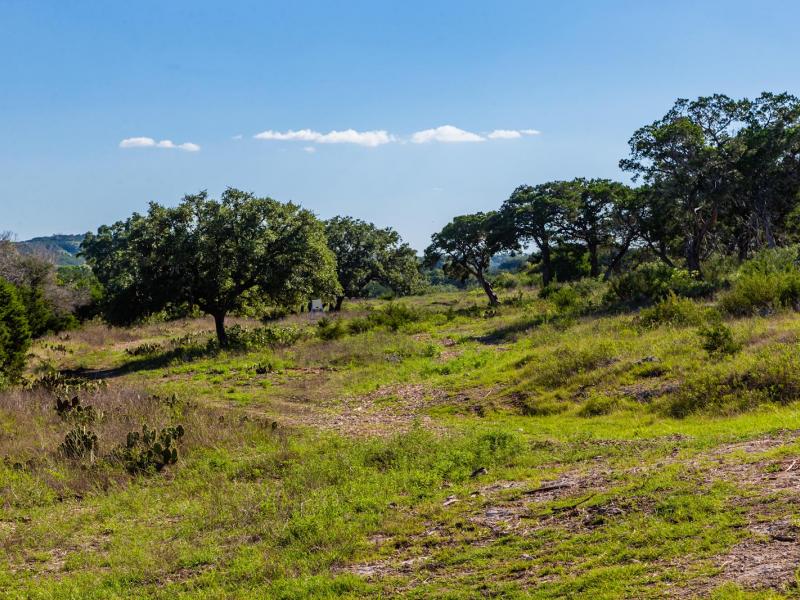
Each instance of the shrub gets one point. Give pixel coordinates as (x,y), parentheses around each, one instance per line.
(672,310)
(598,405)
(565,298)
(331,329)
(651,282)
(395,315)
(766,283)
(537,406)
(268,336)
(151,450)
(505,281)
(717,340)
(771,376)
(15,335)
(359,325)
(553,370)
(763,293)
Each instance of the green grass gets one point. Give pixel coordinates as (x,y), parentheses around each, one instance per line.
(407,457)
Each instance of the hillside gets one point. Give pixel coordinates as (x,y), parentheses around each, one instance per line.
(430,449)
(62,248)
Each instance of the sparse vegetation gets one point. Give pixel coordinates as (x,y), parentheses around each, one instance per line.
(613,415)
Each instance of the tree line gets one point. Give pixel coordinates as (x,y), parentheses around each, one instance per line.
(716,175)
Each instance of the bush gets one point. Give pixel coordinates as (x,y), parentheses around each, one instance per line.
(505,281)
(771,376)
(15,335)
(598,405)
(717,340)
(565,298)
(577,296)
(394,316)
(766,283)
(672,310)
(268,336)
(331,329)
(652,282)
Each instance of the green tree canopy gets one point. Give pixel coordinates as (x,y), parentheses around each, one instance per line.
(206,253)
(535,214)
(364,254)
(688,159)
(466,245)
(596,214)
(14,333)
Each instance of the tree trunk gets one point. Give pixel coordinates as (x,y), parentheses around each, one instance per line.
(594,263)
(219,323)
(547,268)
(768,233)
(743,247)
(487,287)
(693,257)
(339,301)
(614,263)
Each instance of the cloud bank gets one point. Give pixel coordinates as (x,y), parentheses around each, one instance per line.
(445,134)
(348,136)
(147,142)
(511,134)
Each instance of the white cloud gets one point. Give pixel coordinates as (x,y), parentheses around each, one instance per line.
(238,136)
(504,134)
(147,142)
(445,134)
(304,135)
(348,136)
(137,142)
(362,138)
(309,149)
(378,137)
(511,134)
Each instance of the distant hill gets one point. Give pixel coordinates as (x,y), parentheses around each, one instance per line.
(63,248)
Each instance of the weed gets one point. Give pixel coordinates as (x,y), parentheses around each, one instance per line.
(717,339)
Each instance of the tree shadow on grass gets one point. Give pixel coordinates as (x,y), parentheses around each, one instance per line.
(182,354)
(511,331)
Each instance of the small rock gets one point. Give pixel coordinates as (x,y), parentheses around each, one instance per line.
(450,500)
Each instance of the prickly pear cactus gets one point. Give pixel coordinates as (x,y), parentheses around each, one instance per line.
(151,450)
(79,443)
(73,410)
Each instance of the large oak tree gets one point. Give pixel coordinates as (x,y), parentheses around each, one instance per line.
(205,253)
(465,247)
(367,254)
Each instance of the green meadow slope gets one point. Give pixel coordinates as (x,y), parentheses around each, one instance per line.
(424,449)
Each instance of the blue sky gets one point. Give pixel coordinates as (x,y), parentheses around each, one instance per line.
(79,78)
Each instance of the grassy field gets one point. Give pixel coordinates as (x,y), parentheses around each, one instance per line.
(432,448)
